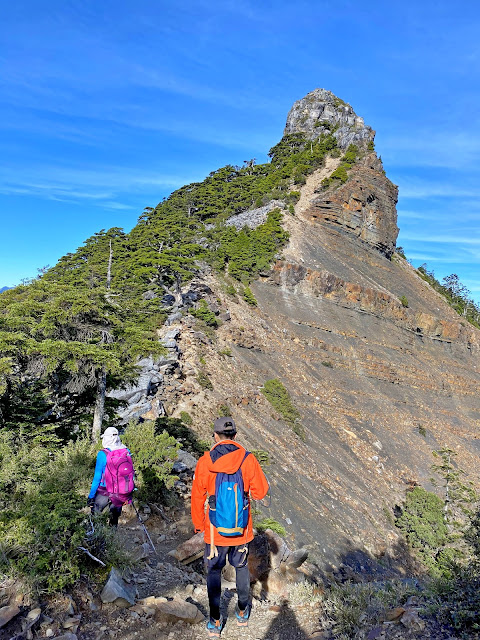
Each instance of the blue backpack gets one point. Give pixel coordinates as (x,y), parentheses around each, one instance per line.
(228,508)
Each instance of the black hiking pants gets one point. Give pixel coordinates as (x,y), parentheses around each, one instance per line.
(237,557)
(102,501)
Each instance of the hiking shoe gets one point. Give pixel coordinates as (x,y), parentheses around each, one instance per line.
(214,627)
(243,616)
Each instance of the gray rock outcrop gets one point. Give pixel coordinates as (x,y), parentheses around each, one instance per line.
(254,217)
(320,111)
(140,396)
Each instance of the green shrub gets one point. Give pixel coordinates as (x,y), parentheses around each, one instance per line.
(153,451)
(230,290)
(279,398)
(404,301)
(41,522)
(224,411)
(371,145)
(186,418)
(422,523)
(269,523)
(339,176)
(249,297)
(249,251)
(350,154)
(226,352)
(204,381)
(422,431)
(454,598)
(292,197)
(327,363)
(262,456)
(180,430)
(204,313)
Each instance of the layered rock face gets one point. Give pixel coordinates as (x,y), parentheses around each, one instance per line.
(365,206)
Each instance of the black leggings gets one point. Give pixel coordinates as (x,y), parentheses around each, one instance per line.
(103,501)
(237,557)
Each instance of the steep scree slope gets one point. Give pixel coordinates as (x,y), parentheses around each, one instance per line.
(368,375)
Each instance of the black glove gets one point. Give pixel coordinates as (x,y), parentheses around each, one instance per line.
(90,502)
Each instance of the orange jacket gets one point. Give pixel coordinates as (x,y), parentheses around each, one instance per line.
(227,457)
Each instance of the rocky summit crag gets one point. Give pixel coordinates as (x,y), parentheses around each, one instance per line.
(320,111)
(379,384)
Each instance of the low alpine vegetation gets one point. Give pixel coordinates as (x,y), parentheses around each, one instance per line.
(340,175)
(269,523)
(279,398)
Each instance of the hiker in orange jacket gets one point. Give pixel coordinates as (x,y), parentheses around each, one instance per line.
(226,456)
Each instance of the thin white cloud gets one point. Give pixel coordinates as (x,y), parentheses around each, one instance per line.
(421,189)
(431,148)
(443,239)
(101,186)
(116,206)
(447,239)
(445,259)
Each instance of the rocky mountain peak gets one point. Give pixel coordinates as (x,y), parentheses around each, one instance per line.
(320,112)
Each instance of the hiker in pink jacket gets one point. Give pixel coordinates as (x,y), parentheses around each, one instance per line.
(113,480)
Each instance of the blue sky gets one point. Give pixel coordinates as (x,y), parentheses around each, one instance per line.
(106,107)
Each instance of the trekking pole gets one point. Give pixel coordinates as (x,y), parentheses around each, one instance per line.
(144,527)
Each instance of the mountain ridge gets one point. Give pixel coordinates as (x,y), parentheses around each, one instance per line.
(283,271)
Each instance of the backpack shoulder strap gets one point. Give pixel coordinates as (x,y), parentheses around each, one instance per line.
(247,453)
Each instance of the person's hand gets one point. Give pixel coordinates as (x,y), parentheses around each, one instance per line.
(90,502)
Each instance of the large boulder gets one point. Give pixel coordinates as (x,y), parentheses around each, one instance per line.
(118,591)
(190,550)
(184,462)
(7,613)
(177,610)
(278,549)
